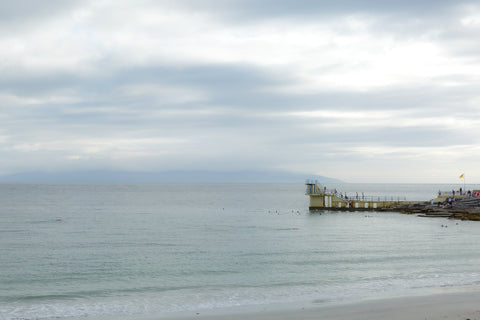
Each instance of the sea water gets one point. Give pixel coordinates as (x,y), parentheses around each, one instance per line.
(89,251)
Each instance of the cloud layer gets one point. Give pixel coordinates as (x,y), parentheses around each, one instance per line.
(382,91)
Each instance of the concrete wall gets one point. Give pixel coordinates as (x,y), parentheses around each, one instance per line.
(329,201)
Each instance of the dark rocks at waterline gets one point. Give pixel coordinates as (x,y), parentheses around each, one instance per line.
(463,209)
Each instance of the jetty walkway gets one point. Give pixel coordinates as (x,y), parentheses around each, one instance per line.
(454,205)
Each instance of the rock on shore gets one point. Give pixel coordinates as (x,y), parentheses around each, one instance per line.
(463,209)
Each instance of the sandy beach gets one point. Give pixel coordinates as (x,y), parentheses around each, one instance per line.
(448,305)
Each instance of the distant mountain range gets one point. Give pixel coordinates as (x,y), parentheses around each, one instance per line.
(164,177)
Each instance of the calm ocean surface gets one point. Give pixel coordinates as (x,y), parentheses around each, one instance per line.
(93,251)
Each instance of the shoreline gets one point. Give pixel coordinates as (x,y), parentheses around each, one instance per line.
(458,303)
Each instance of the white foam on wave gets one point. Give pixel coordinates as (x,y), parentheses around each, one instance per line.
(142,304)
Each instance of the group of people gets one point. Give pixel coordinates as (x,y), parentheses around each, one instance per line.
(473,194)
(345,196)
(469,193)
(450,202)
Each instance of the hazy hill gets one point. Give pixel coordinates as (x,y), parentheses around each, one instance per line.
(164,177)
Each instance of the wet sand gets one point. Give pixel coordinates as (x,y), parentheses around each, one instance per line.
(450,305)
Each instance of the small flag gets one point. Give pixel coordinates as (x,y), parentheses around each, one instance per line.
(461,176)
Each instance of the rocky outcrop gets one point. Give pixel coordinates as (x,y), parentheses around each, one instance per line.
(463,209)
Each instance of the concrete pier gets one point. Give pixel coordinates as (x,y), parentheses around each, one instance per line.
(463,208)
(321,198)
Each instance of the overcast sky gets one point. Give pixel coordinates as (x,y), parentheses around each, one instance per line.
(363,91)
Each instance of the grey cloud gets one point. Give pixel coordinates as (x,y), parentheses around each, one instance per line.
(239,118)
(25,13)
(249,88)
(227,88)
(405,19)
(248,9)
(225,85)
(374,135)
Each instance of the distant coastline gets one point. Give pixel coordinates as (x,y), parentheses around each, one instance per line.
(100,176)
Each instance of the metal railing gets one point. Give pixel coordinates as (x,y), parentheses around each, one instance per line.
(452,193)
(373,198)
(313,187)
(318,191)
